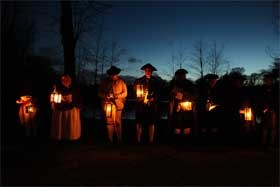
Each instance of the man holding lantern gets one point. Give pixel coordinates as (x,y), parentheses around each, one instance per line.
(113,93)
(66,104)
(268,106)
(208,108)
(146,89)
(181,106)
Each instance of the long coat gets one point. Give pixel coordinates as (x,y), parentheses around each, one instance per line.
(147,112)
(118,88)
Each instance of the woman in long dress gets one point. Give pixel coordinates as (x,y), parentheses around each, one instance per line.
(66,122)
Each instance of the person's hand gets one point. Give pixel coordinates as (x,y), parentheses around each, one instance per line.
(110,96)
(67,98)
(179,95)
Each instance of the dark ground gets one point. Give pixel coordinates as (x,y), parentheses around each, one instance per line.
(90,162)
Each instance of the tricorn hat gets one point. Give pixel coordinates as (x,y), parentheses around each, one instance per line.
(181,71)
(149,66)
(113,70)
(211,76)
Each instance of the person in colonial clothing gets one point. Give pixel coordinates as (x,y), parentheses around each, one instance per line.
(146,113)
(66,122)
(232,97)
(27,115)
(113,93)
(269,110)
(208,108)
(181,106)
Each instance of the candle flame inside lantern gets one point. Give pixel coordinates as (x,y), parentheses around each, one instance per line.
(56,97)
(186,106)
(139,91)
(247,113)
(108,109)
(29,109)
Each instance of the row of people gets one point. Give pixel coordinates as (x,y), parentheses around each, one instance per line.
(210,106)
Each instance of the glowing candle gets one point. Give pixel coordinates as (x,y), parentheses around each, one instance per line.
(139,91)
(186,106)
(108,109)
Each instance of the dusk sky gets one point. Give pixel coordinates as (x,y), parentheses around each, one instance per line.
(152,31)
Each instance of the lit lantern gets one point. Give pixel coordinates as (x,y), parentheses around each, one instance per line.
(110,112)
(26,104)
(247,111)
(108,108)
(146,100)
(55,96)
(27,110)
(139,90)
(186,106)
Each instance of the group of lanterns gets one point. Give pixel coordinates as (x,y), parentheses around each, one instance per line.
(141,92)
(28,109)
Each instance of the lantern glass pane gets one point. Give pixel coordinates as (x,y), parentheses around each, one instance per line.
(248,114)
(186,106)
(139,90)
(108,109)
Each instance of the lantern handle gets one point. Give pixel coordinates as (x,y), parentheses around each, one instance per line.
(54,88)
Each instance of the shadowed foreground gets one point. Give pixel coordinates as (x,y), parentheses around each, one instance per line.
(51,163)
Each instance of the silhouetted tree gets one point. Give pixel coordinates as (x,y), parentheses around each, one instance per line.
(199,58)
(216,60)
(274,52)
(275,69)
(116,53)
(77,19)
(180,57)
(68,40)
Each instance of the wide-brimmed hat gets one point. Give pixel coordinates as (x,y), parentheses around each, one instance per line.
(113,70)
(148,66)
(181,71)
(211,76)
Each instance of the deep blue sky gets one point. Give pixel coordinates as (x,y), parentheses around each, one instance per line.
(152,31)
